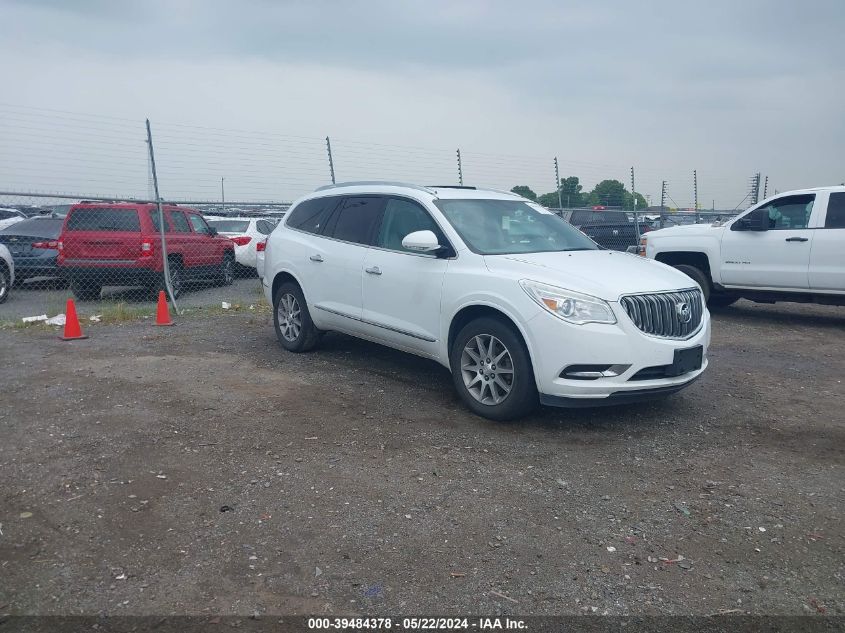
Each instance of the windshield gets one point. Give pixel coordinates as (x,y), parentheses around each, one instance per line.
(499,227)
(230,226)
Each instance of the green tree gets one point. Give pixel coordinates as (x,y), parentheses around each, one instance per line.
(524,191)
(549,200)
(609,193)
(570,192)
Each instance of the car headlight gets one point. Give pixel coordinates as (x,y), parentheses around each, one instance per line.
(570,306)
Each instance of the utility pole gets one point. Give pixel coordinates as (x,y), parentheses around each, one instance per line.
(331,161)
(695,188)
(223,195)
(460,169)
(634,197)
(662,203)
(557,180)
(164,261)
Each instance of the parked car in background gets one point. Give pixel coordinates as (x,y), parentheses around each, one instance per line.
(10,216)
(7,273)
(34,245)
(615,230)
(245,233)
(789,247)
(119,244)
(516,302)
(260,252)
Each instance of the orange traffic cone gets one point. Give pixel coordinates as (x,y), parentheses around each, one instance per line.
(162,313)
(73,331)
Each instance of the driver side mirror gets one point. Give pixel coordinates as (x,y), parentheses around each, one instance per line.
(757,220)
(421,242)
(212,231)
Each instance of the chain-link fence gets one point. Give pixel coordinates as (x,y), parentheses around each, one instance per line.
(185,209)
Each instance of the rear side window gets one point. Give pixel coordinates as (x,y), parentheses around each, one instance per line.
(357,219)
(265,227)
(7,215)
(199,224)
(835,212)
(230,226)
(180,224)
(311,215)
(154,220)
(104,219)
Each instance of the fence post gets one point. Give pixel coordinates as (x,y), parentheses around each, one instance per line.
(662,204)
(162,227)
(557,186)
(634,196)
(223,194)
(331,161)
(460,169)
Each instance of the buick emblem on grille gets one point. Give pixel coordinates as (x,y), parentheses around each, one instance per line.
(684,312)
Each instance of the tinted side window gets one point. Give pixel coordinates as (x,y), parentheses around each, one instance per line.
(265,227)
(400,218)
(5,215)
(154,220)
(789,212)
(835,212)
(311,215)
(180,224)
(199,224)
(104,219)
(357,219)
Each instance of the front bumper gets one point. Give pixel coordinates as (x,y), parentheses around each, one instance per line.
(556,345)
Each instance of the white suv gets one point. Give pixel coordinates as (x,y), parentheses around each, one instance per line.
(516,302)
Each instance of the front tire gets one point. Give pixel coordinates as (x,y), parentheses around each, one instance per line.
(292,320)
(492,371)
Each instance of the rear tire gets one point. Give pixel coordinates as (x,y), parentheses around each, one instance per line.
(5,286)
(85,290)
(492,371)
(226,276)
(292,320)
(177,278)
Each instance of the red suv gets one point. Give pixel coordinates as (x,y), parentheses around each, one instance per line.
(119,244)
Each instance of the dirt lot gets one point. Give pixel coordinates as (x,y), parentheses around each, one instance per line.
(354,481)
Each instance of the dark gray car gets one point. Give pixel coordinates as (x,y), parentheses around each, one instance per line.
(33,246)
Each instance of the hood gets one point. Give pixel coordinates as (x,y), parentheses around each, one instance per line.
(604,274)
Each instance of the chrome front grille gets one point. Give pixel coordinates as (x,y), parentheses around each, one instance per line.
(664,314)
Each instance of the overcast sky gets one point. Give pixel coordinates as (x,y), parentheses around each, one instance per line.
(726,88)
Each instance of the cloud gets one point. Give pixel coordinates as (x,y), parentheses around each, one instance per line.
(729,88)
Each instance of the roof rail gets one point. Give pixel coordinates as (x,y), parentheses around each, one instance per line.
(383,183)
(452,187)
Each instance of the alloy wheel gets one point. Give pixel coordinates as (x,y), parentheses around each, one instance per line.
(4,284)
(289,317)
(487,369)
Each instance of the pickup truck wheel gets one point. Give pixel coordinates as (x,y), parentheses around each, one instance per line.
(85,290)
(292,320)
(698,276)
(4,283)
(492,372)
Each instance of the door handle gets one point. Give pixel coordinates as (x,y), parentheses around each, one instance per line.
(797,239)
(373,270)
(316,258)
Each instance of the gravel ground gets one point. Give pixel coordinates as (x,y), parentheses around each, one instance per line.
(44,297)
(200,469)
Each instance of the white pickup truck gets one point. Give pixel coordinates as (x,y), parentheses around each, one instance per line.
(790,247)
